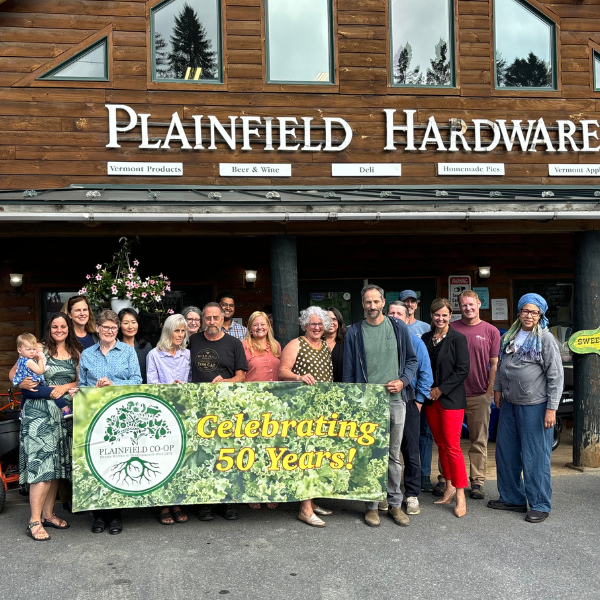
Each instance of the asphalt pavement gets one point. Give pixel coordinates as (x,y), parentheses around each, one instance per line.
(270,555)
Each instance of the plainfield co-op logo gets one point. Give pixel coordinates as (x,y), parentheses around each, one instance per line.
(135,444)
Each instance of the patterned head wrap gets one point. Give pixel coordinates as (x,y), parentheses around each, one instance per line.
(533,344)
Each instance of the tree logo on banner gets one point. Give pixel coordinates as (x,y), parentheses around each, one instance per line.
(135,444)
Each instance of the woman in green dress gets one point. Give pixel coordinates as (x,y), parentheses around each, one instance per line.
(45,444)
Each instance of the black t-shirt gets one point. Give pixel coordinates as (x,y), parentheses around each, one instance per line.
(210,359)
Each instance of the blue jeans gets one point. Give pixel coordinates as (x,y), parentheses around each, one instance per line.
(524,445)
(425,446)
(394,494)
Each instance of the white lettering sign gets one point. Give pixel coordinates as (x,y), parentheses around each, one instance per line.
(254,170)
(470,169)
(574,170)
(152,169)
(366,170)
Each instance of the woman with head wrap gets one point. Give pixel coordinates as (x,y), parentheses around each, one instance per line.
(527,389)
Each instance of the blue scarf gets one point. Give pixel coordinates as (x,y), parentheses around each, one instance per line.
(532,346)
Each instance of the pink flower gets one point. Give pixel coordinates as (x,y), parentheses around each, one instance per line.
(88,276)
(171,311)
(81,291)
(136,262)
(131,270)
(98,277)
(98,266)
(128,294)
(130,276)
(152,293)
(136,285)
(152,282)
(158,299)
(168,288)
(144,294)
(162,293)
(113,289)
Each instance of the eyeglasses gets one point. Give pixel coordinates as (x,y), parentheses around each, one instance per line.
(109,329)
(210,319)
(533,313)
(190,320)
(316,325)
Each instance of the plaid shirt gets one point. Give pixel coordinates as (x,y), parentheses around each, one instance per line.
(236,330)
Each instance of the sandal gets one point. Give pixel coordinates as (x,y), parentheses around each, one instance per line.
(272,505)
(35,535)
(254,505)
(165,517)
(55,522)
(179,515)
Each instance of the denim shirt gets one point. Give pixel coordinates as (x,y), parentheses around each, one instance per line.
(120,365)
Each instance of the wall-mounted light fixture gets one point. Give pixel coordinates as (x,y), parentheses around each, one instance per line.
(16,280)
(484,272)
(250,277)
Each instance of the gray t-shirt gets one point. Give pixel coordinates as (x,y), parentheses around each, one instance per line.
(381,350)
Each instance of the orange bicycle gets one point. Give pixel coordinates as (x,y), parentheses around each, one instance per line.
(10,427)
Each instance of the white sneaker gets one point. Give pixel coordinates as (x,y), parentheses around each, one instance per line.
(412,506)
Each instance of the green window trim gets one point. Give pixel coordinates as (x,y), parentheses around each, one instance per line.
(193,76)
(53,74)
(451,52)
(553,47)
(596,69)
(331,65)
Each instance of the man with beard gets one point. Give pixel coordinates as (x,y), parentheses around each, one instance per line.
(416,327)
(227,303)
(216,358)
(378,350)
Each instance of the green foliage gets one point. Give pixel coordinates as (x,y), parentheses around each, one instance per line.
(530,72)
(197,481)
(439,72)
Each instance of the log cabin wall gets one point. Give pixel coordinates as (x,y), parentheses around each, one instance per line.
(54,133)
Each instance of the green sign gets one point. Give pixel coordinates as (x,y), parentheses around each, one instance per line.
(160,445)
(585,342)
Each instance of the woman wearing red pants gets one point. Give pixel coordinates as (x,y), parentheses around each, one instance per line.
(445,409)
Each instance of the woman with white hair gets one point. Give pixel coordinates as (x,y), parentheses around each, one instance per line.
(308,359)
(169,362)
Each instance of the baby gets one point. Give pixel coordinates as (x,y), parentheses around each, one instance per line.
(32,363)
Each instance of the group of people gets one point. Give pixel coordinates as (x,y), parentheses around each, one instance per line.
(448,368)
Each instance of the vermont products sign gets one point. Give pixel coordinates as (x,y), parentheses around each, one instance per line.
(241,132)
(155,445)
(585,342)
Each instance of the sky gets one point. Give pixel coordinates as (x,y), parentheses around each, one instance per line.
(90,65)
(298,39)
(422,23)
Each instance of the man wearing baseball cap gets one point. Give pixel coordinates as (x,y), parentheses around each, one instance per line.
(416,327)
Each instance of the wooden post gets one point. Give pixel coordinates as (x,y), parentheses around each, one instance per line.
(586,376)
(284,282)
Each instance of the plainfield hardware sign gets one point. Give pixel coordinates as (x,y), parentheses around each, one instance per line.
(160,445)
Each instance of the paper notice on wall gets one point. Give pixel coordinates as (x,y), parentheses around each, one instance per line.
(457,284)
(499,309)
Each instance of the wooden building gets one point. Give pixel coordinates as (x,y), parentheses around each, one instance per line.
(322,143)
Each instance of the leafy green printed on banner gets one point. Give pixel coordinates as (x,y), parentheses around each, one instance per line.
(254,442)
(136,419)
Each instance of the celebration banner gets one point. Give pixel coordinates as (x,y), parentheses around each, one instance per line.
(161,445)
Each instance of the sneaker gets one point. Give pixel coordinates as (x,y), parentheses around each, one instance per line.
(439,489)
(399,517)
(426,484)
(412,506)
(383,506)
(230,513)
(205,513)
(477,492)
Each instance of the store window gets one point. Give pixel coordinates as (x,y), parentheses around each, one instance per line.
(299,41)
(422,43)
(525,47)
(596,71)
(91,64)
(186,41)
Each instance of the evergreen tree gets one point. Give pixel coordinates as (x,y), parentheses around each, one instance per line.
(528,72)
(402,72)
(190,47)
(500,70)
(439,73)
(161,59)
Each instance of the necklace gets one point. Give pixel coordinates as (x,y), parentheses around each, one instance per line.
(438,337)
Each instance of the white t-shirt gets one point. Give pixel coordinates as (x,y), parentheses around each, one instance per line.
(521,337)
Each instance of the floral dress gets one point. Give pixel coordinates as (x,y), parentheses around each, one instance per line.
(45,442)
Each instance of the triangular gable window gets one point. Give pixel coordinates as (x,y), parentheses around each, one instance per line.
(596,71)
(91,64)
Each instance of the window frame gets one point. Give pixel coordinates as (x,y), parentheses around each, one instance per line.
(452,54)
(332,52)
(555,41)
(48,76)
(182,84)
(595,81)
